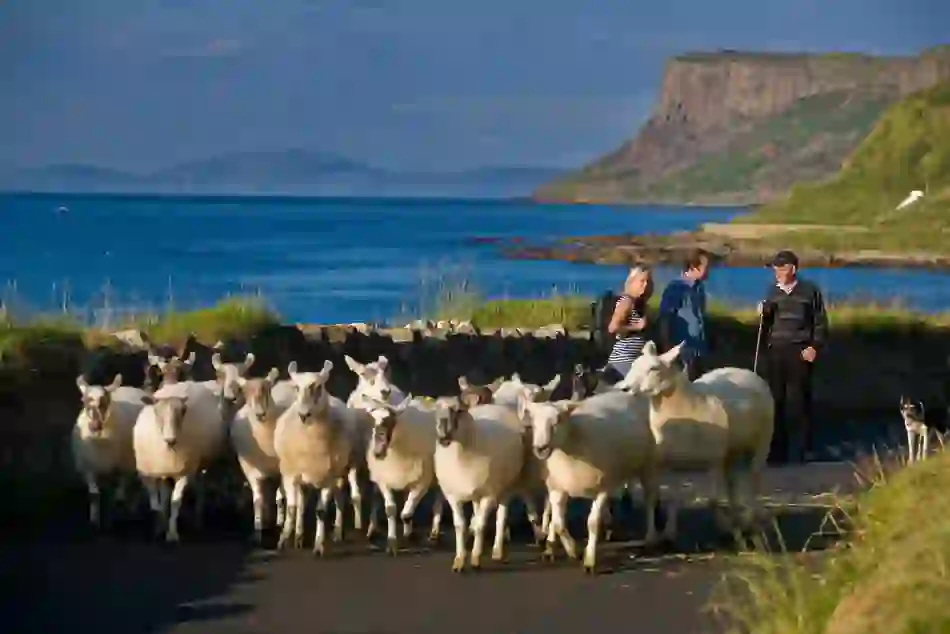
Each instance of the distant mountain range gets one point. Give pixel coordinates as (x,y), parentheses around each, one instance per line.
(283,172)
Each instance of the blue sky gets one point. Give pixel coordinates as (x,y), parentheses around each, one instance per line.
(416,84)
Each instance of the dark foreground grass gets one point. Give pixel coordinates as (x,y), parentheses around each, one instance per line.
(890,576)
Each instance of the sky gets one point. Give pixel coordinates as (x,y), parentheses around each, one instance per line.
(413,84)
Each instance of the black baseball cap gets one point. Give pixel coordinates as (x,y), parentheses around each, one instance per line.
(783,258)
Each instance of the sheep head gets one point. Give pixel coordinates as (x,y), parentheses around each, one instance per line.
(543,419)
(173,369)
(449,411)
(385,416)
(473,395)
(374,378)
(228,375)
(312,397)
(169,415)
(96,400)
(584,382)
(257,393)
(653,373)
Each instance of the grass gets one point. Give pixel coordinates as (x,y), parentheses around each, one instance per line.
(890,576)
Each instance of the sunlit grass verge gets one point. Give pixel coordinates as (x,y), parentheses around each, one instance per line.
(29,343)
(891,575)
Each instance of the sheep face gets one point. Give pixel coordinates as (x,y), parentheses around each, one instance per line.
(374,378)
(173,369)
(169,414)
(228,375)
(257,393)
(583,382)
(96,400)
(652,374)
(472,395)
(448,412)
(544,419)
(385,416)
(312,396)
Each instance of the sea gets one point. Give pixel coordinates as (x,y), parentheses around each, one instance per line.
(344,260)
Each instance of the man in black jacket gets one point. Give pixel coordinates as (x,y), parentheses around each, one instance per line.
(795,327)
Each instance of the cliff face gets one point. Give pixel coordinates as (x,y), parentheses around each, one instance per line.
(723,119)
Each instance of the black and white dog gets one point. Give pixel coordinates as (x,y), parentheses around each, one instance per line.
(919,422)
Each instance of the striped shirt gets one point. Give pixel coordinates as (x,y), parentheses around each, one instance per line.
(628,348)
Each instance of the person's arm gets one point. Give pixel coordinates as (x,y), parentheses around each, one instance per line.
(819,321)
(670,302)
(621,310)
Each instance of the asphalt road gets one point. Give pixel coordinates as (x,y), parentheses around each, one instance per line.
(213,582)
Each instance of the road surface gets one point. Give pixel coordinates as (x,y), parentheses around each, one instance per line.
(214,583)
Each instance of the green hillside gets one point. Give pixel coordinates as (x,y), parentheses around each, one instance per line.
(908,149)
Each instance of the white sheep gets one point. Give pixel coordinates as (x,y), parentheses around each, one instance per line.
(590,448)
(227,383)
(478,458)
(401,458)
(716,422)
(314,445)
(252,436)
(374,383)
(102,437)
(177,434)
(508,392)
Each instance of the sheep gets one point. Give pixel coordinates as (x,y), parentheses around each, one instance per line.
(314,444)
(400,458)
(373,383)
(178,432)
(252,436)
(589,448)
(172,369)
(102,437)
(507,393)
(587,382)
(712,423)
(227,384)
(478,458)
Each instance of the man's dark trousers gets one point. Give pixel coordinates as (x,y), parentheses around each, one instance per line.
(789,377)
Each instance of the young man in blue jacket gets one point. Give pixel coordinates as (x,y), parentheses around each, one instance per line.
(683,313)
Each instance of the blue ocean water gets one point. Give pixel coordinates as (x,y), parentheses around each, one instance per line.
(343,260)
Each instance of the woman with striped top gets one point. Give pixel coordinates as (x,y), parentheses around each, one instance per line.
(629,321)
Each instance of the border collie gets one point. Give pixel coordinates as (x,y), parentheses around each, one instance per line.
(918,431)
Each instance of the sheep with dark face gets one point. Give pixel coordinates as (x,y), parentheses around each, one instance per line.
(102,437)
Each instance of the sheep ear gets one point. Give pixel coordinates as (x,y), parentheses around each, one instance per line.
(382,363)
(292,369)
(116,383)
(578,369)
(515,377)
(523,400)
(273,375)
(552,384)
(672,354)
(649,349)
(327,367)
(248,362)
(353,364)
(493,387)
(216,361)
(190,361)
(81,384)
(463,383)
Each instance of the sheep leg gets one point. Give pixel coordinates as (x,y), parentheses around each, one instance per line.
(594,519)
(257,497)
(546,515)
(389,506)
(537,523)
(501,526)
(154,488)
(651,495)
(281,503)
(373,524)
(558,526)
(294,498)
(338,502)
(458,519)
(479,520)
(95,500)
(178,492)
(319,540)
(438,505)
(409,508)
(356,498)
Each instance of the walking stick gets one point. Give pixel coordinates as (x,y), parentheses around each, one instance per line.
(758,343)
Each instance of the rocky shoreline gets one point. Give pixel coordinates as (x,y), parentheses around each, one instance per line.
(663,249)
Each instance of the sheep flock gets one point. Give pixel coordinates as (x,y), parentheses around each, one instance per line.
(488,445)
